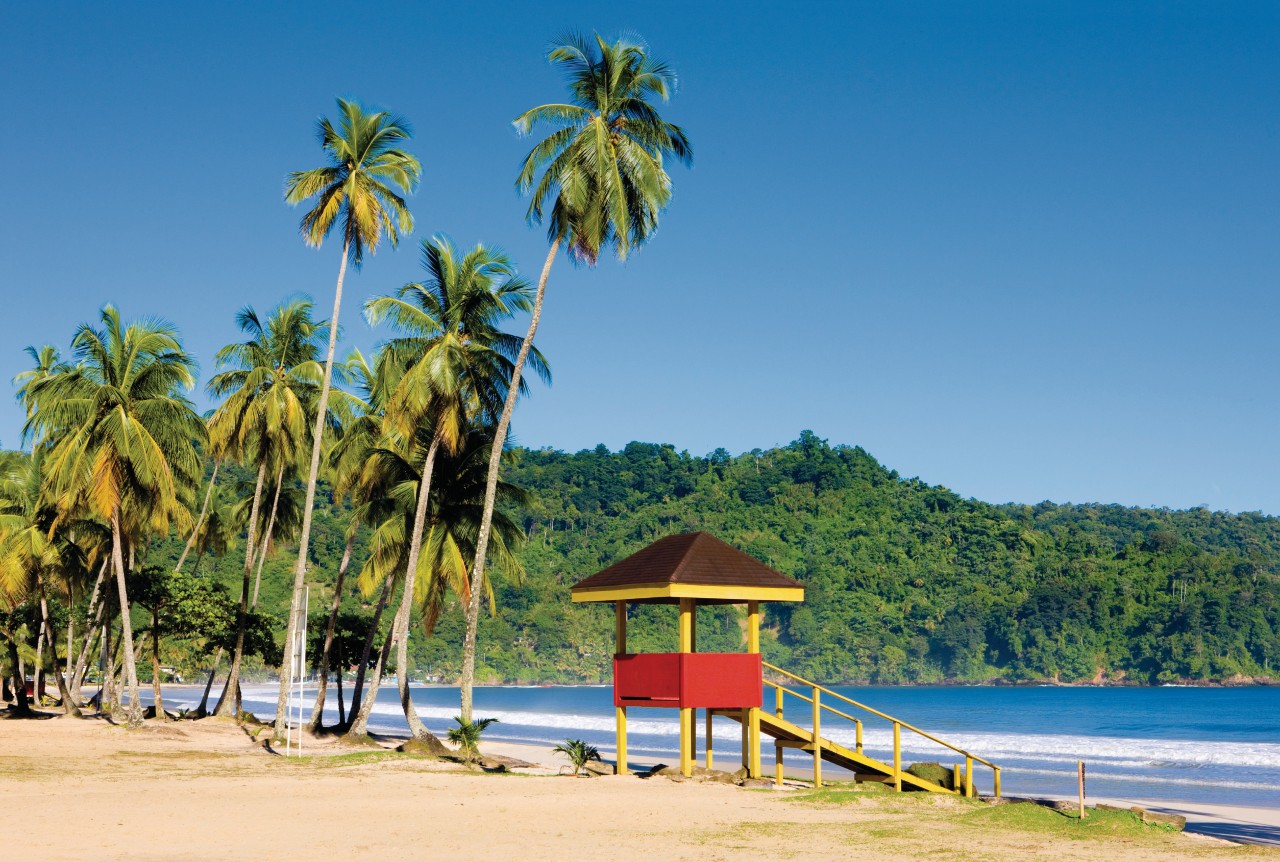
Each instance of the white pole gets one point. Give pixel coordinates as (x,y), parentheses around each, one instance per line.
(302,661)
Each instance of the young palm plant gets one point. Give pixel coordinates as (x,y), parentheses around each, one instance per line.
(456,365)
(467,736)
(578,752)
(121,441)
(603,185)
(360,188)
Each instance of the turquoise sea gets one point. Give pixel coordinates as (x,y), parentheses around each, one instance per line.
(1191,744)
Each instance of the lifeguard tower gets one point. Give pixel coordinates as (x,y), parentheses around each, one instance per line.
(697,568)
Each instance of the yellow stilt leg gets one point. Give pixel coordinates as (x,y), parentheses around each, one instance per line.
(709,766)
(620,721)
(686,744)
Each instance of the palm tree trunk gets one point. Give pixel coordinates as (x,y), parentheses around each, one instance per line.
(317,711)
(69,707)
(266,538)
(228,703)
(106,669)
(491,490)
(417,729)
(134,712)
(342,706)
(203,709)
(204,511)
(360,725)
(358,688)
(155,665)
(97,610)
(21,706)
(37,669)
(313,474)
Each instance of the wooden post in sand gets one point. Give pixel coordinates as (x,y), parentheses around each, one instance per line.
(1080,778)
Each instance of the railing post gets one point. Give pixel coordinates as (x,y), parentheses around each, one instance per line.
(777,701)
(968,775)
(996,770)
(955,777)
(817,737)
(897,757)
(857,729)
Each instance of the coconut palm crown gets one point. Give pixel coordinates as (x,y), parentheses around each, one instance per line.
(603,180)
(362,185)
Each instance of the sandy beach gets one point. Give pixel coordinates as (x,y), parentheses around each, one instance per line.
(206,790)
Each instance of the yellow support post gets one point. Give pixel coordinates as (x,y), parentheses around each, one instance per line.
(755,769)
(777,764)
(857,730)
(620,713)
(709,739)
(752,728)
(620,723)
(955,777)
(686,750)
(897,757)
(968,776)
(745,719)
(817,737)
(686,714)
(996,770)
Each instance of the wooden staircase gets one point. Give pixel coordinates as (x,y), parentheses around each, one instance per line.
(787,734)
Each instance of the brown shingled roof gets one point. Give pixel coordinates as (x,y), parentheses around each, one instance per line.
(691,558)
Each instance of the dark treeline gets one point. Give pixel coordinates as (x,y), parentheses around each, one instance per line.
(906,582)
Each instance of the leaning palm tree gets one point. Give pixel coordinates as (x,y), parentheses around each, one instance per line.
(603,185)
(361,187)
(457,363)
(121,441)
(271,382)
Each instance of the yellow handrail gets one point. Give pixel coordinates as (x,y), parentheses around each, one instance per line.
(873,711)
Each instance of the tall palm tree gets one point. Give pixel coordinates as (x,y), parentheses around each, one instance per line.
(271,383)
(457,363)
(603,185)
(121,441)
(392,473)
(361,187)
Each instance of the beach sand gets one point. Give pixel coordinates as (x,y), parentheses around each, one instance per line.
(78,789)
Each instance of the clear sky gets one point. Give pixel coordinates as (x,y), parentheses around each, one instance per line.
(1026,250)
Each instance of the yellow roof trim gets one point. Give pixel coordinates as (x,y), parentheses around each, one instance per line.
(641,592)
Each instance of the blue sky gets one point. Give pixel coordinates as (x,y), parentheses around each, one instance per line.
(1028,251)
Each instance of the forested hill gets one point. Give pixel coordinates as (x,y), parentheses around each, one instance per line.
(906,582)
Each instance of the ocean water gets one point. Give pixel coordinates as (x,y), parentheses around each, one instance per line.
(1188,744)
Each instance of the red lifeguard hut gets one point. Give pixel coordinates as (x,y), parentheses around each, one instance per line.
(688,570)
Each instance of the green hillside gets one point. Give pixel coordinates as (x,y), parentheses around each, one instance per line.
(906,582)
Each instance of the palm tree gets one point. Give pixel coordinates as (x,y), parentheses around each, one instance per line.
(579,752)
(120,438)
(361,186)
(467,736)
(456,365)
(603,185)
(35,549)
(392,475)
(270,382)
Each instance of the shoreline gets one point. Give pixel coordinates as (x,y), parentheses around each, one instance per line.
(211,789)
